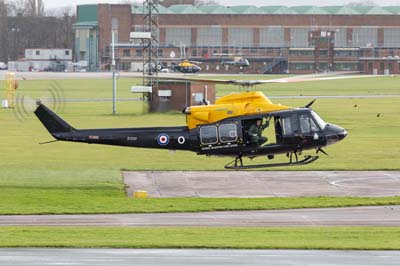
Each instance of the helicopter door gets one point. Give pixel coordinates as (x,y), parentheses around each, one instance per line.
(286,128)
(297,128)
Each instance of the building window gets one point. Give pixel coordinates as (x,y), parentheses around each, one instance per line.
(139,52)
(66,52)
(365,37)
(178,36)
(241,37)
(301,52)
(127,53)
(126,66)
(301,66)
(160,52)
(198,97)
(299,37)
(323,52)
(37,52)
(114,24)
(209,36)
(346,66)
(391,37)
(346,53)
(272,36)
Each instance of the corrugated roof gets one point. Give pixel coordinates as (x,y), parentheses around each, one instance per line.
(161,10)
(277,9)
(347,10)
(185,9)
(393,9)
(216,9)
(362,9)
(309,10)
(164,10)
(247,9)
(377,10)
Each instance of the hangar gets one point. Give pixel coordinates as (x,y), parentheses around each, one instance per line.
(275,39)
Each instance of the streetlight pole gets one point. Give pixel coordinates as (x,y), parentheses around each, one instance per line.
(15,32)
(114,87)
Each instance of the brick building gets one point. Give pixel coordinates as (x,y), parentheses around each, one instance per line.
(275,39)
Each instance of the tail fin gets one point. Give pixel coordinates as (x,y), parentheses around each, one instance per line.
(51,121)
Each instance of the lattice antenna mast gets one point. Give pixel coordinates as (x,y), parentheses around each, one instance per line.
(150,46)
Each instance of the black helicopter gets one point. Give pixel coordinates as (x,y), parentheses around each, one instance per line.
(220,129)
(240,62)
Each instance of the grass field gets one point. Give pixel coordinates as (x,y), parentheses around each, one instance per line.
(75,178)
(361,238)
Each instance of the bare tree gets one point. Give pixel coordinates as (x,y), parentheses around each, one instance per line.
(26,25)
(4,31)
(40,8)
(26,7)
(18,7)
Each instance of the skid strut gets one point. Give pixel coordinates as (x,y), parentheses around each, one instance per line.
(237,163)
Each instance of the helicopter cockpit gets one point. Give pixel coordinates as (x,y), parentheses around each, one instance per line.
(286,127)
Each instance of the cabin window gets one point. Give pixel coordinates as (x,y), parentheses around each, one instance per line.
(289,125)
(228,133)
(307,125)
(208,135)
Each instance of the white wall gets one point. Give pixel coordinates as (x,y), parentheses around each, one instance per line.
(47,54)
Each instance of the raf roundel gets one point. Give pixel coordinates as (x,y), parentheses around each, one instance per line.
(163,139)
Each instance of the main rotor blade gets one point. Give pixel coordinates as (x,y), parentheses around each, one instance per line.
(246,83)
(250,83)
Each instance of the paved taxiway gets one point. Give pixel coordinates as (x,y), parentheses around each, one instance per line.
(221,184)
(352,216)
(169,257)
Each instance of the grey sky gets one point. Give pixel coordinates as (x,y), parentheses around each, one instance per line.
(58,3)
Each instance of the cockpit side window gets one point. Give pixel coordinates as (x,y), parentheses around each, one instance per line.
(307,124)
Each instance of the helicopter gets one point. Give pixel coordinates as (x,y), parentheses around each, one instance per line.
(187,67)
(220,129)
(240,62)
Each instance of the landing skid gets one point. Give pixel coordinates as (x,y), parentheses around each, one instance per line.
(237,164)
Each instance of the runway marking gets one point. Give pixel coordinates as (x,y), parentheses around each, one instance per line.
(337,183)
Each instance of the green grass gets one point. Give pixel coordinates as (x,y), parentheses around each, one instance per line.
(360,238)
(91,199)
(76,178)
